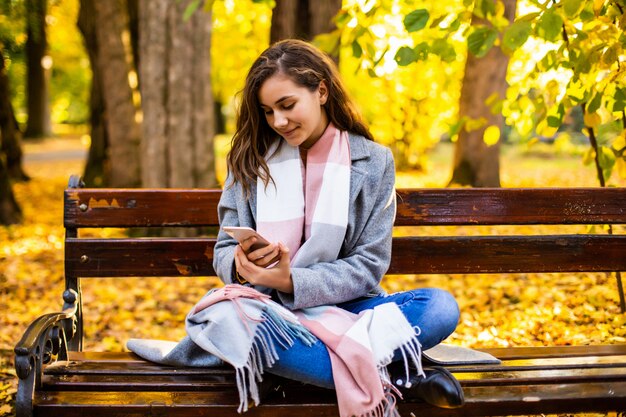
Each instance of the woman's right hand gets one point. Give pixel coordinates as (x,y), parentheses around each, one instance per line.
(262,257)
(277,277)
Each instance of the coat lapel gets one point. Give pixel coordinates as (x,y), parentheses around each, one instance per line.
(359,154)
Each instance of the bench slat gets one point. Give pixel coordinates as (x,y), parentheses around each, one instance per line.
(140,207)
(506,400)
(540,399)
(126,369)
(208,381)
(469,254)
(508,254)
(432,206)
(507,206)
(509,372)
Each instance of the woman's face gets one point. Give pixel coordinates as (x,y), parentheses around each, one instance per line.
(293,111)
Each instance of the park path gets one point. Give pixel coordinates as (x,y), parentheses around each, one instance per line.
(54,149)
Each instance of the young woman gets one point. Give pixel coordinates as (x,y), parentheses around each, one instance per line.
(305,172)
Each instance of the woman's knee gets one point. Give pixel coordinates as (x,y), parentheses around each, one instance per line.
(434,310)
(447,309)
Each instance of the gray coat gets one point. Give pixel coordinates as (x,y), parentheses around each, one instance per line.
(366,251)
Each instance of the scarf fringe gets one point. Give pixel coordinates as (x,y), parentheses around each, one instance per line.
(412,350)
(263,353)
(386,408)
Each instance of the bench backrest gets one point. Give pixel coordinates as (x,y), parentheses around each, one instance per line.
(415,249)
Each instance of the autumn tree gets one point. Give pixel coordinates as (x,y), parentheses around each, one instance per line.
(477,155)
(9,209)
(10,145)
(176,95)
(404,69)
(124,133)
(95,173)
(38,64)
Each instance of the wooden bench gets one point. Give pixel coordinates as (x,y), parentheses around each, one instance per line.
(57,378)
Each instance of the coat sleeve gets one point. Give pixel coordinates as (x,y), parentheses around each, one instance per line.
(224,252)
(365,256)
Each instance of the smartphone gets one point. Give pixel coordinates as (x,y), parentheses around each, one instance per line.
(242,233)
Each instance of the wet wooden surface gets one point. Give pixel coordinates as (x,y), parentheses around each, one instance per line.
(528,381)
(410,255)
(432,206)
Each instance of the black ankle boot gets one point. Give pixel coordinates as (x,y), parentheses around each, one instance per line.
(439,388)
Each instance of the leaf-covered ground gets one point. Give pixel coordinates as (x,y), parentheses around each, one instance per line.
(499,310)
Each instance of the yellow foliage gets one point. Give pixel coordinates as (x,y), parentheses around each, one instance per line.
(592,120)
(491,135)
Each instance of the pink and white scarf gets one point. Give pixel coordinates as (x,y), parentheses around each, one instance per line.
(309,200)
(359,346)
(306,208)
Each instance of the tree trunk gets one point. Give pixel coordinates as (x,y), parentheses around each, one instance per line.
(302,19)
(177,100)
(476,163)
(11,146)
(10,212)
(38,106)
(124,133)
(96,169)
(284,18)
(321,16)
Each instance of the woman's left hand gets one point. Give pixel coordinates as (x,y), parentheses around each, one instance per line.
(277,277)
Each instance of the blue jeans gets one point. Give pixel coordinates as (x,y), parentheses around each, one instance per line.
(434,311)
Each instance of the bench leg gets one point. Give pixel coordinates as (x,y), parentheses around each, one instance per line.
(44,342)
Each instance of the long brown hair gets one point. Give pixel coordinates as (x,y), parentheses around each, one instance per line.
(306,66)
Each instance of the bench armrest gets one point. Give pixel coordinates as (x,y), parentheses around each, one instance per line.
(44,342)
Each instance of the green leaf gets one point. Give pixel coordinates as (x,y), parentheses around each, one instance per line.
(553,121)
(610,55)
(548,61)
(606,158)
(572,7)
(549,26)
(190,9)
(586,15)
(484,8)
(405,56)
(594,104)
(455,25)
(422,50)
(381,56)
(357,51)
(371,50)
(444,50)
(516,34)
(620,100)
(530,17)
(342,18)
(328,42)
(435,23)
(416,20)
(481,40)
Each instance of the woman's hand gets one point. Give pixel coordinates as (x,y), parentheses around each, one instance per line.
(262,257)
(253,269)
